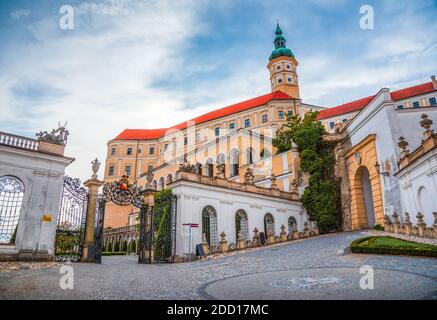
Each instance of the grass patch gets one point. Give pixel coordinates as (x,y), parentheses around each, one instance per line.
(395,246)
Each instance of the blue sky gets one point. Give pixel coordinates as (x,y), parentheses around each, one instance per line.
(146,64)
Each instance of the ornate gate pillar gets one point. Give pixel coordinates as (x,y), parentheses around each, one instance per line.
(93,185)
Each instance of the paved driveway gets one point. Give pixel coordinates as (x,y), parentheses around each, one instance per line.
(304,269)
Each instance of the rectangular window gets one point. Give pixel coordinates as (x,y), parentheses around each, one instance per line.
(289,80)
(401,106)
(113,150)
(217,131)
(232,126)
(197,135)
(185,141)
(278,67)
(129,151)
(288,66)
(281,114)
(432,101)
(247,123)
(344,120)
(331,125)
(289,114)
(139,150)
(152,150)
(127,170)
(279,80)
(165,147)
(416,104)
(111,170)
(149,168)
(264,118)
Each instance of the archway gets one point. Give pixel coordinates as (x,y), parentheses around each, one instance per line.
(209,225)
(269,225)
(199,169)
(209,167)
(241,225)
(161,183)
(292,225)
(234,162)
(365,206)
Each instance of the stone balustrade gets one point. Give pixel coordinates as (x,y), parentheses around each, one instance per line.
(221,182)
(20,142)
(394,225)
(225,247)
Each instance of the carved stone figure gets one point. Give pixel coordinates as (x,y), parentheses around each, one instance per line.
(57,136)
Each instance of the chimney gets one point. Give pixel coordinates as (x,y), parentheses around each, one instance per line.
(434,82)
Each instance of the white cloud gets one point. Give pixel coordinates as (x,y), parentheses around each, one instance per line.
(18,14)
(103,72)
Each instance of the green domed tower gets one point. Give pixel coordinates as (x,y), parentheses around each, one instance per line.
(282,67)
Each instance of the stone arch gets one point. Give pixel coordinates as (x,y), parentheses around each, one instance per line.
(269,225)
(198,168)
(234,162)
(11,200)
(292,224)
(250,154)
(361,160)
(209,165)
(209,225)
(161,184)
(241,224)
(169,179)
(221,158)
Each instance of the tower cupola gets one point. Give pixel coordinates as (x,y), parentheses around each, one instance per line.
(282,67)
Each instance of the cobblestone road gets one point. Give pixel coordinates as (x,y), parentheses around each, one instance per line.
(303,269)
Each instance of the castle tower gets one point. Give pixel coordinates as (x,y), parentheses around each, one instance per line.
(282,67)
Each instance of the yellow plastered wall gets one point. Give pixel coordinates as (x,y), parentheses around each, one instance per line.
(367,149)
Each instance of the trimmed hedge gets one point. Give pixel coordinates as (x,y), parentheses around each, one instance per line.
(122,253)
(399,247)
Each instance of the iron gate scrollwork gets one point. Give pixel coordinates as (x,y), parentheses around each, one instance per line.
(70,226)
(124,193)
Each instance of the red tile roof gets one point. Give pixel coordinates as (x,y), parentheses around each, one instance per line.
(357,105)
(147,134)
(352,106)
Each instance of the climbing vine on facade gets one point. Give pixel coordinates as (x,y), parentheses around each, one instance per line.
(162,243)
(321,197)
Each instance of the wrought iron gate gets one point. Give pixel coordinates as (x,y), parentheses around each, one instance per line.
(165,240)
(70,227)
(98,233)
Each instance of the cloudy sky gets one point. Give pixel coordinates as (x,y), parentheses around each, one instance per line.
(155,63)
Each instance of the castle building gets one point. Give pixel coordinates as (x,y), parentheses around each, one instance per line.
(378,178)
(239,136)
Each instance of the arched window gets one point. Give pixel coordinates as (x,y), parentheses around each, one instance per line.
(11,198)
(209,225)
(221,158)
(269,225)
(199,169)
(250,155)
(265,153)
(292,225)
(161,183)
(169,179)
(241,225)
(234,162)
(154,184)
(111,170)
(210,167)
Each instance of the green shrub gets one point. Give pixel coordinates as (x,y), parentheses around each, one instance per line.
(378,227)
(394,246)
(321,198)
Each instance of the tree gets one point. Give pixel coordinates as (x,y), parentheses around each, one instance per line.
(321,198)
